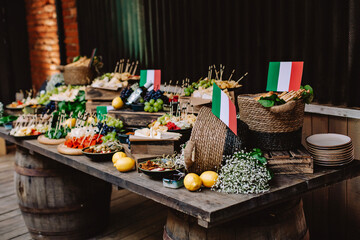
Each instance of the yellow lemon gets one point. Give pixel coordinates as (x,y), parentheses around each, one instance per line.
(117,103)
(70,122)
(117,156)
(209,178)
(90,120)
(192,182)
(125,164)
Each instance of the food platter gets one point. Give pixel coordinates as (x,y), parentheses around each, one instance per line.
(14,108)
(48,141)
(69,151)
(26,137)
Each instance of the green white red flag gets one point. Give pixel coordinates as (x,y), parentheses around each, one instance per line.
(224,108)
(284,76)
(150,76)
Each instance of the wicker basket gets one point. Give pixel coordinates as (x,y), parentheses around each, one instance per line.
(77,75)
(275,128)
(210,140)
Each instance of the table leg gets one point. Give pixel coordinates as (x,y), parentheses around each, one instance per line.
(285,221)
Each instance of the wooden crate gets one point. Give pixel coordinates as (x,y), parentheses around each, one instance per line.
(100,94)
(132,118)
(290,162)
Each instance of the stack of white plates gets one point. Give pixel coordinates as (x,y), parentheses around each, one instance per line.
(330,149)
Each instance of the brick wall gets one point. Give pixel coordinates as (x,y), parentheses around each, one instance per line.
(70,29)
(43,39)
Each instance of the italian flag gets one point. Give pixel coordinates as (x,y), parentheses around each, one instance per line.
(284,76)
(150,76)
(224,108)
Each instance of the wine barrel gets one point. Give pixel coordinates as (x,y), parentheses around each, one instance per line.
(285,221)
(58,202)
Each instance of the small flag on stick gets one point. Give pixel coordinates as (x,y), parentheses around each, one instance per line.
(284,76)
(224,108)
(150,76)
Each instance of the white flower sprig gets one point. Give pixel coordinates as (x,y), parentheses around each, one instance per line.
(242,174)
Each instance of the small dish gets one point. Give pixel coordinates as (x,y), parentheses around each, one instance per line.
(161,174)
(99,157)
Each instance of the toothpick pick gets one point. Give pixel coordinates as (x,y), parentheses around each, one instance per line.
(116,67)
(131,66)
(242,77)
(134,71)
(127,65)
(232,73)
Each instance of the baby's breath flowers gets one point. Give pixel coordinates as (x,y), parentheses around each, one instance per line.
(243,174)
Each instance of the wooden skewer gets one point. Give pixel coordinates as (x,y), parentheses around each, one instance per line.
(169,87)
(121,65)
(116,67)
(131,66)
(127,65)
(176,86)
(282,94)
(134,71)
(232,73)
(242,77)
(221,71)
(97,139)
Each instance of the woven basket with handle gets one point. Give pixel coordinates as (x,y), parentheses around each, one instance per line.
(210,140)
(77,75)
(274,128)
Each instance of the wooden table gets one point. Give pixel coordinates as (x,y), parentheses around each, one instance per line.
(207,207)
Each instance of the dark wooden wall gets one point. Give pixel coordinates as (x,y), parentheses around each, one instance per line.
(333,212)
(183,37)
(14,53)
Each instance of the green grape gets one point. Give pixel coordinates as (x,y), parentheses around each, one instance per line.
(160,101)
(156,104)
(152,101)
(147,108)
(156,109)
(160,107)
(151,109)
(147,104)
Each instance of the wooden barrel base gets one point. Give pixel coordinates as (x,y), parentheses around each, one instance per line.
(59,202)
(285,221)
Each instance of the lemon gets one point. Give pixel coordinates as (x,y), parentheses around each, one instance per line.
(90,120)
(117,103)
(125,164)
(117,156)
(209,178)
(70,122)
(192,182)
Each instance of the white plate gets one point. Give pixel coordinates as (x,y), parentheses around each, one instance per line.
(328,140)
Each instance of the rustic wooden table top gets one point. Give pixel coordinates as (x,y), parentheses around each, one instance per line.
(209,207)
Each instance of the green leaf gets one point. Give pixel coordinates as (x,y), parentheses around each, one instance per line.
(266,103)
(308,87)
(75,59)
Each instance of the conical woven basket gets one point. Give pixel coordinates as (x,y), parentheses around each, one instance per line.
(212,139)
